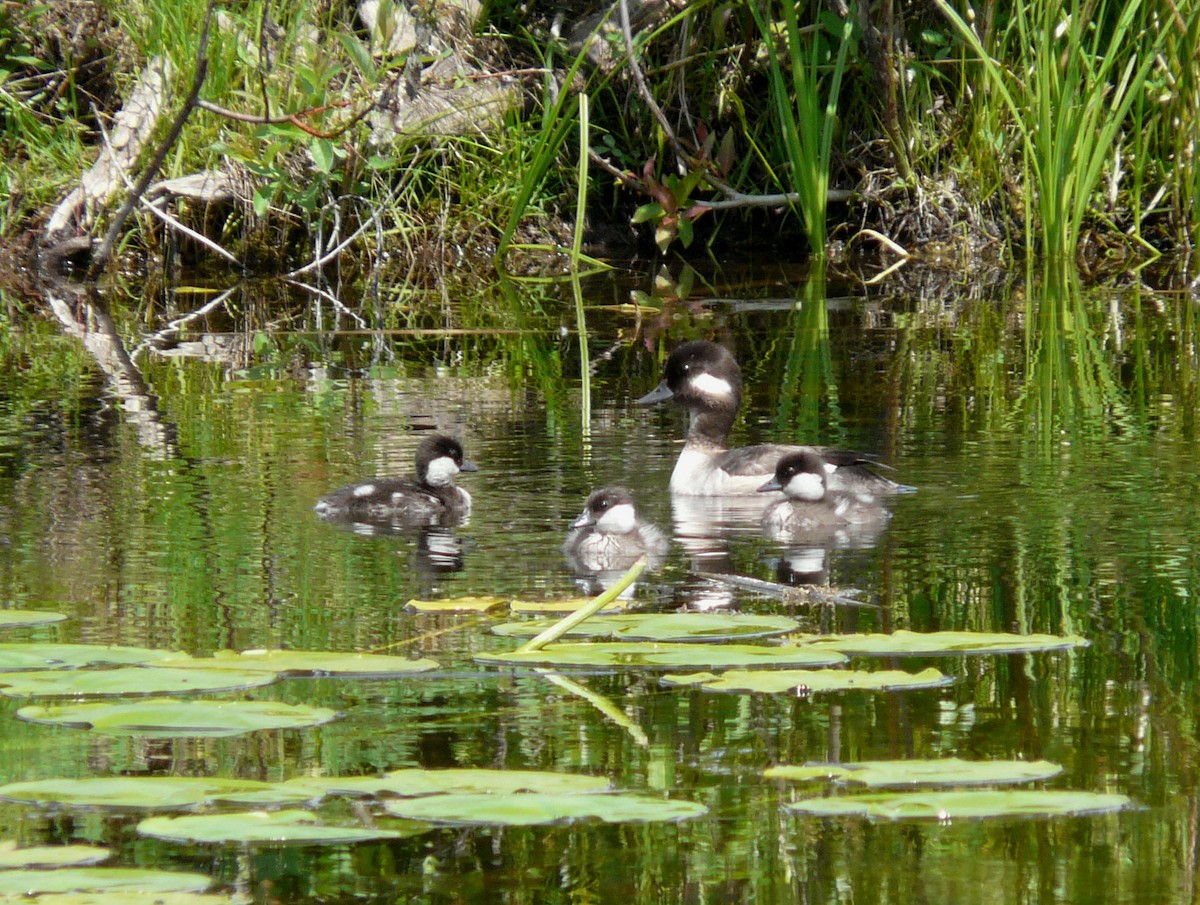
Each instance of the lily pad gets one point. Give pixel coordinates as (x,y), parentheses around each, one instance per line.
(903,643)
(533,808)
(15,656)
(413,782)
(948,771)
(458,605)
(19,618)
(649,655)
(662,627)
(274,827)
(955,805)
(127,680)
(298,663)
(812,681)
(152,791)
(168,717)
(51,855)
(115,879)
(562,606)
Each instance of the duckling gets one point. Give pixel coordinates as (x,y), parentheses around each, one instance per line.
(429,497)
(609,535)
(704,378)
(809,507)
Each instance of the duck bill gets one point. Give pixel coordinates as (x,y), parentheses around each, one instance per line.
(583,520)
(468,466)
(770,485)
(660,393)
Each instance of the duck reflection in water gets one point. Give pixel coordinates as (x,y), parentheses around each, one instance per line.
(609,536)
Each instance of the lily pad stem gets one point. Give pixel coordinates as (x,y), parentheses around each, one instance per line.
(589,609)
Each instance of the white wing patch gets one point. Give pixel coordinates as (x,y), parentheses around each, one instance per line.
(363,490)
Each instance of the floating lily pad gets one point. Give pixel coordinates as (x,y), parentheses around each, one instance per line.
(533,808)
(85,879)
(128,897)
(128,680)
(963,804)
(51,855)
(649,655)
(562,606)
(20,618)
(811,681)
(948,771)
(414,782)
(15,656)
(275,827)
(166,717)
(662,627)
(152,791)
(458,605)
(903,643)
(296,663)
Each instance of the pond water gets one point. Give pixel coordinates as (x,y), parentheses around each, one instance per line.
(1051,434)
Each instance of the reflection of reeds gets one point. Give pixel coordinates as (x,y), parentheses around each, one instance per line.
(808,386)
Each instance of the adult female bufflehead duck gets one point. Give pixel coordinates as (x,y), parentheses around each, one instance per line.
(705,379)
(609,535)
(809,507)
(430,497)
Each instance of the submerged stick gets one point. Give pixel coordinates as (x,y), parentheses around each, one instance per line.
(586,611)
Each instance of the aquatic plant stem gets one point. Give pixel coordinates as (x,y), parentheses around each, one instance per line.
(560,628)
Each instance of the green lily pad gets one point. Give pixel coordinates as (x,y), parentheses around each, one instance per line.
(301,663)
(904,643)
(84,879)
(533,808)
(649,655)
(458,605)
(19,618)
(561,606)
(51,855)
(128,897)
(948,771)
(127,680)
(956,805)
(167,717)
(662,627)
(413,782)
(152,792)
(276,827)
(15,656)
(812,681)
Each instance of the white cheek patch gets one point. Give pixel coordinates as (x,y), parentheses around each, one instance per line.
(620,519)
(441,471)
(709,385)
(806,486)
(363,490)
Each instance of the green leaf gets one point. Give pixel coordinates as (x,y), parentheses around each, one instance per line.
(294,663)
(171,717)
(482,604)
(11,618)
(680,627)
(322,152)
(647,655)
(16,656)
(360,56)
(149,792)
(131,680)
(41,856)
(85,879)
(412,782)
(275,827)
(945,806)
(948,771)
(905,643)
(648,212)
(811,681)
(531,808)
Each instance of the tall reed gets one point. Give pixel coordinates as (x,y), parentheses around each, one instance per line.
(806,123)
